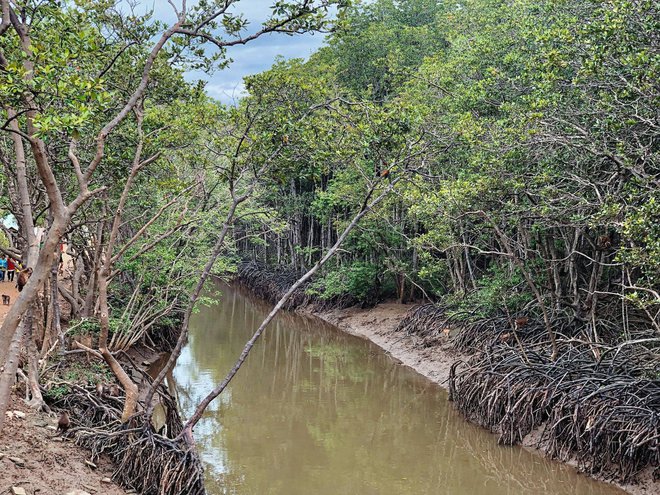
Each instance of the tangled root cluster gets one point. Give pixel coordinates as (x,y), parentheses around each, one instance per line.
(429,322)
(146,461)
(271,284)
(597,404)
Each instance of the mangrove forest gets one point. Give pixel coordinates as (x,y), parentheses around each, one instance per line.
(472,185)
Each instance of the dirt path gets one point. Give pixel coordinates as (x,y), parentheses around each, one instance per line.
(7,289)
(33,459)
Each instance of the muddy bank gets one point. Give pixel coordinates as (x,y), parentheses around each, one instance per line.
(378,325)
(432,360)
(93,456)
(33,458)
(38,459)
(146,454)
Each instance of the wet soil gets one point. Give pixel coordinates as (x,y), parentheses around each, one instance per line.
(50,465)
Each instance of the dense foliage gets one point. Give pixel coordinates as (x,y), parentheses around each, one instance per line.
(527,135)
(512,146)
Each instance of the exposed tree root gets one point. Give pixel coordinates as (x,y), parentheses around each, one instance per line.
(433,322)
(603,412)
(597,403)
(146,461)
(427,321)
(164,337)
(269,284)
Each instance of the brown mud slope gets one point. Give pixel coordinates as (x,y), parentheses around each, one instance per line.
(32,458)
(431,359)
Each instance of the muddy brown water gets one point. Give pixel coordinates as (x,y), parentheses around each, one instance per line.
(317,412)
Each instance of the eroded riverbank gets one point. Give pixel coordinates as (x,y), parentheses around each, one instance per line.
(378,325)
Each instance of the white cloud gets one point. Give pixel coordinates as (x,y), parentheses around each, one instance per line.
(228,93)
(259,56)
(255,57)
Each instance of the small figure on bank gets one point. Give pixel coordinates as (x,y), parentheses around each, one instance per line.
(11,268)
(63,423)
(3,267)
(23,277)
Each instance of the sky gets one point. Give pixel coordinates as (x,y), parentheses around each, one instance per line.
(227,85)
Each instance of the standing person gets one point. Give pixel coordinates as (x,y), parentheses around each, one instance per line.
(3,267)
(11,268)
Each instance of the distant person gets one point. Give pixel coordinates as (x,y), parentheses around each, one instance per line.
(11,268)
(3,267)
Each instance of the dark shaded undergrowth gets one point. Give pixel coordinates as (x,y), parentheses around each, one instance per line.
(271,284)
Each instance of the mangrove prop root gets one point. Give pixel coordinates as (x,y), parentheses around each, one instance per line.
(271,284)
(427,321)
(434,323)
(148,462)
(604,413)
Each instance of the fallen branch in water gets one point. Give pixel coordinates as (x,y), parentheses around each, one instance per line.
(367,206)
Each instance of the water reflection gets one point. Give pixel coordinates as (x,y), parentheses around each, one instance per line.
(314,411)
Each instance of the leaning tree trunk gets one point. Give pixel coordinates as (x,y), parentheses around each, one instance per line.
(130,388)
(31,251)
(186,433)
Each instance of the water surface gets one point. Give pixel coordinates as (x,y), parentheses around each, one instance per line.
(316,412)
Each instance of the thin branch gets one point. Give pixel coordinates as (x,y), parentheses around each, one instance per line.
(367,206)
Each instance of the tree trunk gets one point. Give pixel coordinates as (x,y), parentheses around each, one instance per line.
(54,329)
(36,399)
(31,251)
(88,308)
(31,289)
(8,377)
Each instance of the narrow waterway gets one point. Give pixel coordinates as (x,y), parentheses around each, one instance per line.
(317,412)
